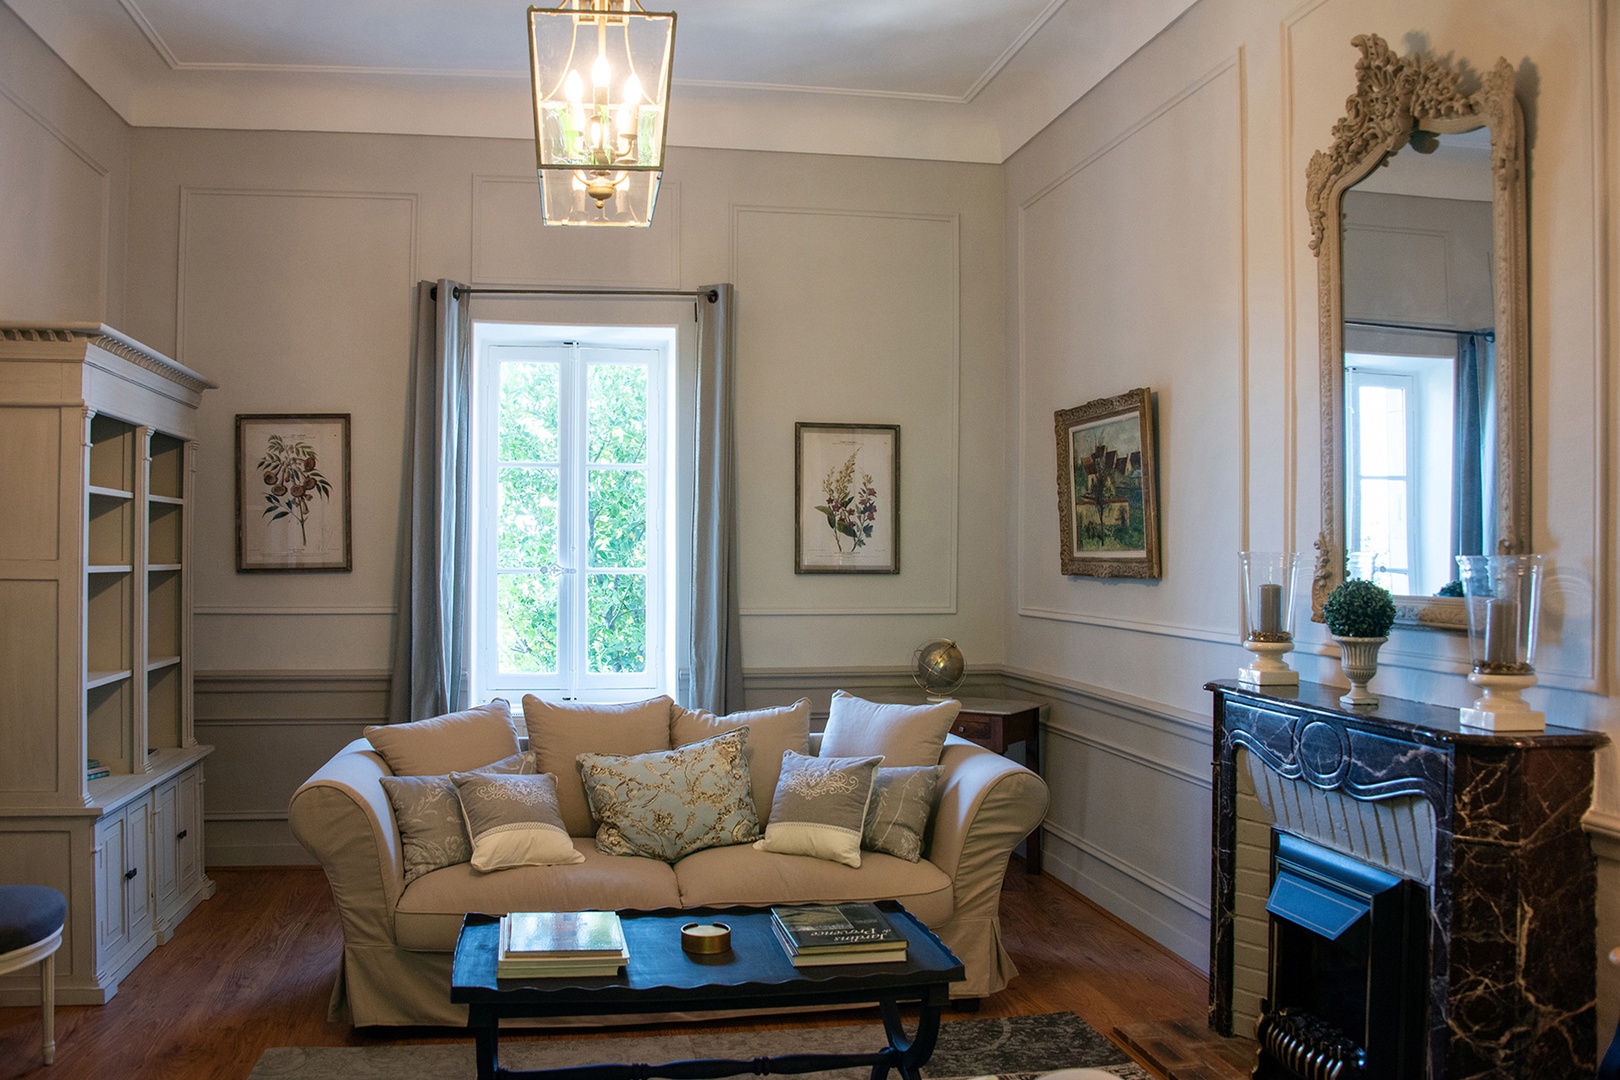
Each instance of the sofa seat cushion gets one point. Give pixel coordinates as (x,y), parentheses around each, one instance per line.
(744,875)
(428,916)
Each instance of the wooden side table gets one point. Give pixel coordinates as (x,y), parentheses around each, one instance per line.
(995,724)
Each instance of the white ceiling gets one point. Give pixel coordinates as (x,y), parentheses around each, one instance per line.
(963,80)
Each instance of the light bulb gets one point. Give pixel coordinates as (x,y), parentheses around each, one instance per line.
(632,90)
(574,88)
(601,73)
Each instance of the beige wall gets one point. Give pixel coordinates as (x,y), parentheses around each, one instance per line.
(64,182)
(1157,236)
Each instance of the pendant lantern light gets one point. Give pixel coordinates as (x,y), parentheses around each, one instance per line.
(600,71)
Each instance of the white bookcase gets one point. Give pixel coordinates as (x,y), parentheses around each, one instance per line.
(97,467)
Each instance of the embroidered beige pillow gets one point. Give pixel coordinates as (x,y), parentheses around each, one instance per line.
(561,731)
(514,821)
(770,732)
(427,813)
(820,807)
(454,742)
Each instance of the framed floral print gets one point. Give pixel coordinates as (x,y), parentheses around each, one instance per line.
(292,492)
(1108,494)
(846,499)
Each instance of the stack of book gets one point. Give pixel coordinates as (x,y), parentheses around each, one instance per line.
(549,944)
(818,934)
(94,769)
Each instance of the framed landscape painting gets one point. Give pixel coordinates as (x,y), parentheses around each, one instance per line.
(846,499)
(1108,495)
(292,492)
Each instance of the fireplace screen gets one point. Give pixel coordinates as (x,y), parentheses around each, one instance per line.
(1346,987)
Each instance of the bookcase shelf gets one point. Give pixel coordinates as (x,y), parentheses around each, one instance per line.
(107,428)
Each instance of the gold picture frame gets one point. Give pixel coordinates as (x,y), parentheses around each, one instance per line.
(1108,494)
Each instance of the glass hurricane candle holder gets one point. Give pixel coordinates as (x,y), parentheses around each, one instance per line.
(1269,588)
(1503,594)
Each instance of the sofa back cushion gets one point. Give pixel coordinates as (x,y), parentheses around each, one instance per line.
(561,731)
(454,742)
(904,735)
(770,731)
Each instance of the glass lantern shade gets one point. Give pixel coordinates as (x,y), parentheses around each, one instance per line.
(1503,594)
(600,70)
(1269,579)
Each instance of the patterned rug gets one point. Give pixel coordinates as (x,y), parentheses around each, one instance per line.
(1015,1048)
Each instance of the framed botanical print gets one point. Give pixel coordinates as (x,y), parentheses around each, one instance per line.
(1108,495)
(292,492)
(846,499)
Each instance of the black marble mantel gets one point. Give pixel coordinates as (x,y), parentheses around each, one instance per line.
(1512,950)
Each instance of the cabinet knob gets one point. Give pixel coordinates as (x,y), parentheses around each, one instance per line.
(181,835)
(130,876)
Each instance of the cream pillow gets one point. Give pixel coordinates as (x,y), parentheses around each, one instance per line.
(770,732)
(905,735)
(513,821)
(561,731)
(454,742)
(820,807)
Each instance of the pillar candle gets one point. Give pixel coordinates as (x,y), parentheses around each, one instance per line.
(1271,609)
(1501,633)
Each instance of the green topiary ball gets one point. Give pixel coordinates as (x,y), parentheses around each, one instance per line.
(1359,608)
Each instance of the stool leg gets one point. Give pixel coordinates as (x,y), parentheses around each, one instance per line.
(47,993)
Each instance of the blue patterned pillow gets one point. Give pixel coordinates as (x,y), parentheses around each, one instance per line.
(670,803)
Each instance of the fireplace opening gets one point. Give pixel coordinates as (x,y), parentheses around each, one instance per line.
(1346,985)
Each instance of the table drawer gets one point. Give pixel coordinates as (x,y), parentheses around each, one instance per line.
(976,728)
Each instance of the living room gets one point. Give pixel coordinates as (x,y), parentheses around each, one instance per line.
(960,280)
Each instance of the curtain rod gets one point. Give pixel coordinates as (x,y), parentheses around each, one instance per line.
(711,295)
(1489,331)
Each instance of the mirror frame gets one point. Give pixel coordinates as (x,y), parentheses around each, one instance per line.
(1394,97)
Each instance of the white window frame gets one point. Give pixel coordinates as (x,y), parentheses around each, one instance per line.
(581,347)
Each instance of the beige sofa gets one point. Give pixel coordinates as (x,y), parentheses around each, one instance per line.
(398,938)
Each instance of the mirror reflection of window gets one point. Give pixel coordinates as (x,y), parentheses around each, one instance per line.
(1401,468)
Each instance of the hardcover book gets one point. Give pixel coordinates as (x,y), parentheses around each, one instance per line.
(562,935)
(855,954)
(823,928)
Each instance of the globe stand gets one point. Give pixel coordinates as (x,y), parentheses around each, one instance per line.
(1267,667)
(938,669)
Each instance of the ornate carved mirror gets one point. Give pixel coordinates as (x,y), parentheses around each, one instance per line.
(1418,224)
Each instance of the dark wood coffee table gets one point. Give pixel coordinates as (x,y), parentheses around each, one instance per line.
(661,978)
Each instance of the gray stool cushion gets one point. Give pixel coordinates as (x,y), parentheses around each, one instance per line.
(29,913)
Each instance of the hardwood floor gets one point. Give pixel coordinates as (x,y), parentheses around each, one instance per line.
(252,968)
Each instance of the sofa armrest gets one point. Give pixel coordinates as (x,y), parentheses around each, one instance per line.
(987,804)
(342,817)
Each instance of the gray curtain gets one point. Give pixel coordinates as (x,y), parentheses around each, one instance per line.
(430,675)
(1473,478)
(716,625)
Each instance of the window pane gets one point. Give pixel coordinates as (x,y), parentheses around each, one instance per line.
(529,411)
(1381,413)
(617,630)
(1383,522)
(618,414)
(526,623)
(618,518)
(526,507)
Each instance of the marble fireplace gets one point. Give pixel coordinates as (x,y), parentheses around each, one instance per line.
(1486,830)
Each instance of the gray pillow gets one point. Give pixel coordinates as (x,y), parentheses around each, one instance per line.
(820,807)
(903,734)
(514,821)
(427,812)
(897,817)
(668,804)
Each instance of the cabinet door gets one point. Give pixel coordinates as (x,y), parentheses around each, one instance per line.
(112,914)
(188,833)
(138,866)
(165,881)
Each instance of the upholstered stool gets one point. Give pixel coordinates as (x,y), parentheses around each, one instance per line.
(31,919)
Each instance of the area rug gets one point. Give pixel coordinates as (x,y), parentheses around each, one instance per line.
(1016,1048)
